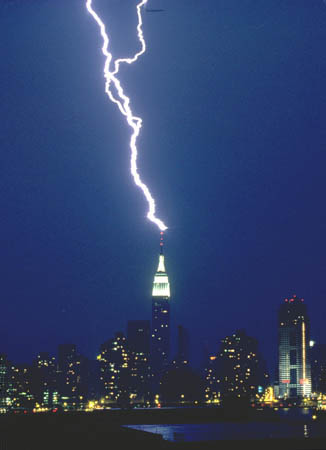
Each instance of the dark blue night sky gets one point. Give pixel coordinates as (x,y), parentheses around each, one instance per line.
(233,98)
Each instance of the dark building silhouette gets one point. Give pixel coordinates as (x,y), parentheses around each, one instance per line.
(160,345)
(72,377)
(293,349)
(318,368)
(44,381)
(182,356)
(181,385)
(67,381)
(94,388)
(20,389)
(183,345)
(67,355)
(138,337)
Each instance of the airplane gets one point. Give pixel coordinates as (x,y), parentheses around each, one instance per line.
(154,10)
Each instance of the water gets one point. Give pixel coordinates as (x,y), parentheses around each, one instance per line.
(234,431)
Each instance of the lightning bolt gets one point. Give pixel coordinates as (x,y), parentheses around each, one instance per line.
(123,101)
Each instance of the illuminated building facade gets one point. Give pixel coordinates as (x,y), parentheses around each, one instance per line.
(293,345)
(160,343)
(212,381)
(15,387)
(138,337)
(4,383)
(44,384)
(115,370)
(240,367)
(67,356)
(72,377)
(20,388)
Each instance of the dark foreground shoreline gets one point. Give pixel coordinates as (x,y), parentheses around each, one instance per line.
(105,430)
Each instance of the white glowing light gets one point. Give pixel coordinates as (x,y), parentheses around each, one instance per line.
(161,285)
(161,265)
(123,102)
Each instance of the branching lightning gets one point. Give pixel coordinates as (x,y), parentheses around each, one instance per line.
(123,101)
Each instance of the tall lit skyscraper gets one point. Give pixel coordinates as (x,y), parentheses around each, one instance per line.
(160,348)
(114,369)
(4,383)
(293,344)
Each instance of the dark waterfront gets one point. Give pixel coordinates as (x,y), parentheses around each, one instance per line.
(238,431)
(181,428)
(301,423)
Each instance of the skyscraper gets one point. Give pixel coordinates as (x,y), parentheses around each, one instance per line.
(4,383)
(182,356)
(20,388)
(318,367)
(44,380)
(293,341)
(115,370)
(160,348)
(240,366)
(212,381)
(72,376)
(138,338)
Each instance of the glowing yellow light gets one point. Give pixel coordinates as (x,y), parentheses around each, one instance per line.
(91,405)
(304,357)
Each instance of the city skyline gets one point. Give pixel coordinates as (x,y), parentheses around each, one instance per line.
(232,146)
(165,355)
(135,369)
(161,289)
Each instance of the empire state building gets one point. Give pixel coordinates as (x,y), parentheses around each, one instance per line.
(160,348)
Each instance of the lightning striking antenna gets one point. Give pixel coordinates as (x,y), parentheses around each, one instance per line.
(161,242)
(123,101)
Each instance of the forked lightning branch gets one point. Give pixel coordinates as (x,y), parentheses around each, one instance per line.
(111,71)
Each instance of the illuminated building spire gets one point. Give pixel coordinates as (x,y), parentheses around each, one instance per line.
(161,285)
(160,343)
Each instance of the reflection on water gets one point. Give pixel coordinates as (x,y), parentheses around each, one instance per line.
(233,431)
